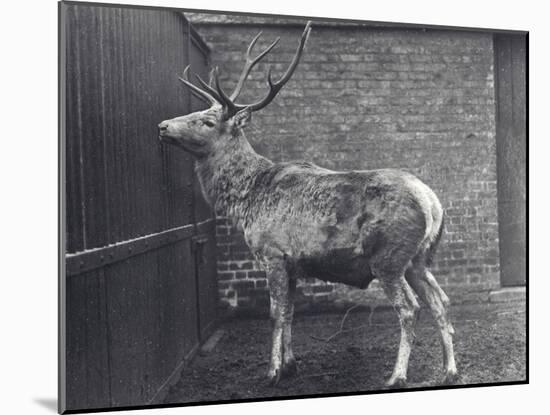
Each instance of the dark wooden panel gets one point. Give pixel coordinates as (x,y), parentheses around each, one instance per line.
(130,325)
(510,64)
(88,348)
(74,206)
(131,303)
(179,291)
(207,287)
(134,318)
(93,128)
(122,81)
(152,315)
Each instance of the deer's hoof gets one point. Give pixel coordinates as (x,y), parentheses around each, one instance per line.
(451,378)
(274,377)
(289,369)
(396,383)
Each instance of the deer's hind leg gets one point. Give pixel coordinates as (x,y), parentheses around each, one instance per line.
(289,367)
(405,304)
(429,291)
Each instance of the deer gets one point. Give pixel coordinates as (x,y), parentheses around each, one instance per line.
(301,220)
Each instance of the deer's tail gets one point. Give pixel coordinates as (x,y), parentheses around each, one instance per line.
(430,252)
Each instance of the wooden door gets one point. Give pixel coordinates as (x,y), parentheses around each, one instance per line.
(511,123)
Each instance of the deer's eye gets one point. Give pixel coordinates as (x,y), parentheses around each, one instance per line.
(209,123)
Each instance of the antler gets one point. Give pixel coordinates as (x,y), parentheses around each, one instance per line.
(205,96)
(274,88)
(218,96)
(250,63)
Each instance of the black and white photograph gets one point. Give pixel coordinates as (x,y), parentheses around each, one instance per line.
(261,207)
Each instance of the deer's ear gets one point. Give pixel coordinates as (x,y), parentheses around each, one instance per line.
(242,118)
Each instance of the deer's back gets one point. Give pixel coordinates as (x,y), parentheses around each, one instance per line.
(306,212)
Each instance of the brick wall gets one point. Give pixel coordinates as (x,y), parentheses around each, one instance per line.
(365,98)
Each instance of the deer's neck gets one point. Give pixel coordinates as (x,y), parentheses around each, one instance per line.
(227,176)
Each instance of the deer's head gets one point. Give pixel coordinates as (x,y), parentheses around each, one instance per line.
(201,132)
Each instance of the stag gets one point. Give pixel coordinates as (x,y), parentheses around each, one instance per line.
(301,220)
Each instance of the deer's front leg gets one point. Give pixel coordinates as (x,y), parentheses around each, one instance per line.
(281,317)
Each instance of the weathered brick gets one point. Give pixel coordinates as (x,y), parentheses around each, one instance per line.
(240,265)
(240,275)
(226,275)
(242,285)
(256,274)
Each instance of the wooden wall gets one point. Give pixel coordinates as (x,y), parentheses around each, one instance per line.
(140,290)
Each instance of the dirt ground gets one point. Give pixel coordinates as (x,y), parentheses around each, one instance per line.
(490,345)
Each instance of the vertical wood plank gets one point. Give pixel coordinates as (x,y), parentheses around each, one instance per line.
(74,203)
(510,54)
(92,129)
(88,368)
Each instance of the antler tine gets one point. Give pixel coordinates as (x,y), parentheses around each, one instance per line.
(202,94)
(211,78)
(297,56)
(230,108)
(250,63)
(209,88)
(275,87)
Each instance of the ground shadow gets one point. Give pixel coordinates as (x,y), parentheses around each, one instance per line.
(48,403)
